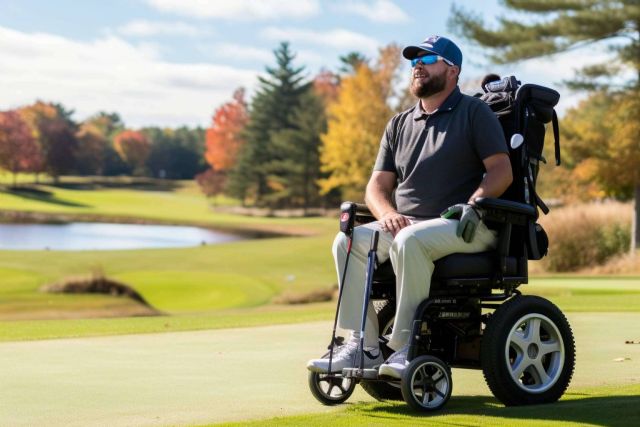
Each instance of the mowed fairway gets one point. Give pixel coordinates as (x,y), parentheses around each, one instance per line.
(205,377)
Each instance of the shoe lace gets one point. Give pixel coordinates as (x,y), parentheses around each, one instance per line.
(346,351)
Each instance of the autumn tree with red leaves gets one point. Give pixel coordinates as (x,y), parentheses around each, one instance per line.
(18,149)
(223,142)
(133,147)
(54,131)
(223,138)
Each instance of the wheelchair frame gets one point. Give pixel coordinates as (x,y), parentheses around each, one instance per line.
(448,327)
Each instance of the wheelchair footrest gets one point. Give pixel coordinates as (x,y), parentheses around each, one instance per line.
(365,374)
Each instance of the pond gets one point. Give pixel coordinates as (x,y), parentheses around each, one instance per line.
(102,236)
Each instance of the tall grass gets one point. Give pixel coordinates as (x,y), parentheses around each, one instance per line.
(586,235)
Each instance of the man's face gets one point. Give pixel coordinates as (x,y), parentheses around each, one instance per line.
(429,79)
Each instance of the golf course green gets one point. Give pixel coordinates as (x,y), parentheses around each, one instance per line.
(223,345)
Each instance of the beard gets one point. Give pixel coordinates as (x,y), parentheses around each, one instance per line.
(424,89)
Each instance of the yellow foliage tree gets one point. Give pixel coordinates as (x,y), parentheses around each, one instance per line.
(602,140)
(357,119)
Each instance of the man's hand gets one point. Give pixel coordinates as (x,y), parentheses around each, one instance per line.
(393,222)
(469,216)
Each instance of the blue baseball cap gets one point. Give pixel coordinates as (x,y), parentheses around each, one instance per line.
(438,46)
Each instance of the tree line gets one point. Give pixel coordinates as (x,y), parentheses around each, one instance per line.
(303,142)
(44,139)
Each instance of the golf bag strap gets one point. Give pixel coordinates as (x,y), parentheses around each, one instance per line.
(556,136)
(534,195)
(539,202)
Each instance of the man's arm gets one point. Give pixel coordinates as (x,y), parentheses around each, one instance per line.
(378,198)
(497,179)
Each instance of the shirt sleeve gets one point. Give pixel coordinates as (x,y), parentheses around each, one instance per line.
(385,160)
(488,136)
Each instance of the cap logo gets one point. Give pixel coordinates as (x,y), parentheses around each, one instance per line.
(431,40)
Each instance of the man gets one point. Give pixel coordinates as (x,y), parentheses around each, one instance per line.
(437,156)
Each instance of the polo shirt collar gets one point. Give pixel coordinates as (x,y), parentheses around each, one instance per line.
(449,104)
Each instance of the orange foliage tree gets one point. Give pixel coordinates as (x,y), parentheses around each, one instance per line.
(326,85)
(134,148)
(92,146)
(223,138)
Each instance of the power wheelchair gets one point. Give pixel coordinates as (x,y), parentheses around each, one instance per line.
(475,316)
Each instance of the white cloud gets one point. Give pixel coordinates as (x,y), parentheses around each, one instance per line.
(242,52)
(143,28)
(259,58)
(249,10)
(113,75)
(553,70)
(336,38)
(384,11)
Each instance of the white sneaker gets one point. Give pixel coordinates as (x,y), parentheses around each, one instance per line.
(347,356)
(395,364)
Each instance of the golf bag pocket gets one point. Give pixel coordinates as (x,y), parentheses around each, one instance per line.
(537,241)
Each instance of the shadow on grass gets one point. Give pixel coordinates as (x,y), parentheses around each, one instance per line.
(39,195)
(595,410)
(143,184)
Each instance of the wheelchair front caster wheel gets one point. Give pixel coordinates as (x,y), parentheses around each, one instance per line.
(330,389)
(426,384)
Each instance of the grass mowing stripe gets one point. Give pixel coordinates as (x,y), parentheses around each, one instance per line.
(25,330)
(610,406)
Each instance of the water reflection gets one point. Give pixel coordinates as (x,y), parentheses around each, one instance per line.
(101,236)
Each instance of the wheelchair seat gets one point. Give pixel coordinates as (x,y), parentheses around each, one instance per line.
(457,265)
(481,264)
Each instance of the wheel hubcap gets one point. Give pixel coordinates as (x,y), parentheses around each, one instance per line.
(535,353)
(333,386)
(430,385)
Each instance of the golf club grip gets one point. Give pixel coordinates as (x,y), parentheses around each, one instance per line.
(347,217)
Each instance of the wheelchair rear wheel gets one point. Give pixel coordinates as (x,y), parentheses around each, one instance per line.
(528,352)
(382,390)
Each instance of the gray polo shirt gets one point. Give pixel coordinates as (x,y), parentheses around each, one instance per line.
(438,157)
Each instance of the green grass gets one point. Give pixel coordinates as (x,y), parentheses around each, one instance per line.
(603,294)
(605,406)
(181,202)
(185,291)
(595,294)
(248,272)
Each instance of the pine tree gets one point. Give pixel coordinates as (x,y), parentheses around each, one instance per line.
(271,111)
(298,171)
(561,25)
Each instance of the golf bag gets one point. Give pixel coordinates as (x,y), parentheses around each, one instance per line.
(524,112)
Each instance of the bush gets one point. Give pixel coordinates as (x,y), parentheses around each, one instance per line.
(586,235)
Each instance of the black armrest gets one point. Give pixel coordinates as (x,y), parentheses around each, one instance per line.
(506,205)
(363,214)
(363,209)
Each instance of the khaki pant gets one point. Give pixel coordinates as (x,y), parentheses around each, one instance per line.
(412,253)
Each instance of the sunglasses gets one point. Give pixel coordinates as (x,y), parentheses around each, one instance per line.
(429,59)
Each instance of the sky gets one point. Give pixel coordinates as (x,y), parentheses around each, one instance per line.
(170,63)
